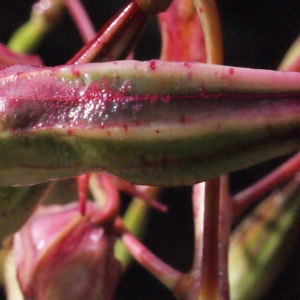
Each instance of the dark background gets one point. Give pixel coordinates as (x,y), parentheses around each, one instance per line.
(256,34)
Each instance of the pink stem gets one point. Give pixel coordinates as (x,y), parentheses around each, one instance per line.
(210,261)
(108,213)
(82,186)
(162,271)
(136,190)
(225,222)
(81,19)
(205,271)
(247,197)
(198,212)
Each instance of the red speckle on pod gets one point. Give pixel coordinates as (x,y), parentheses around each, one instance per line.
(152,65)
(157,131)
(182,119)
(75,72)
(70,131)
(125,127)
(218,127)
(201,10)
(231,71)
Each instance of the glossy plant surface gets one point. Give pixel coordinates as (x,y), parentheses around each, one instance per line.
(252,48)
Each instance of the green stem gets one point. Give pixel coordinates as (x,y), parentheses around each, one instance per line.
(167,275)
(135,220)
(42,20)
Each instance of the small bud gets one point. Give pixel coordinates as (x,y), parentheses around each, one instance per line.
(61,255)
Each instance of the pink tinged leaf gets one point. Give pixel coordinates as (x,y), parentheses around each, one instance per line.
(61,255)
(182,35)
(9,58)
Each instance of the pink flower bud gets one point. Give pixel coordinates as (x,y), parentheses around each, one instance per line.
(61,255)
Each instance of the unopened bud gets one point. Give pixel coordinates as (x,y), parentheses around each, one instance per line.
(60,255)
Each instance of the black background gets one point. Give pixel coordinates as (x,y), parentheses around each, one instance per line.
(256,33)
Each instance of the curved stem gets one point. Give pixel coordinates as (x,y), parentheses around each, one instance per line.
(135,220)
(209,17)
(139,191)
(167,275)
(110,209)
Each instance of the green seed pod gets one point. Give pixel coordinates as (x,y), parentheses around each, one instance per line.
(260,243)
(154,123)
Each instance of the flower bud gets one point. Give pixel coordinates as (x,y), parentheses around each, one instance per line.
(61,255)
